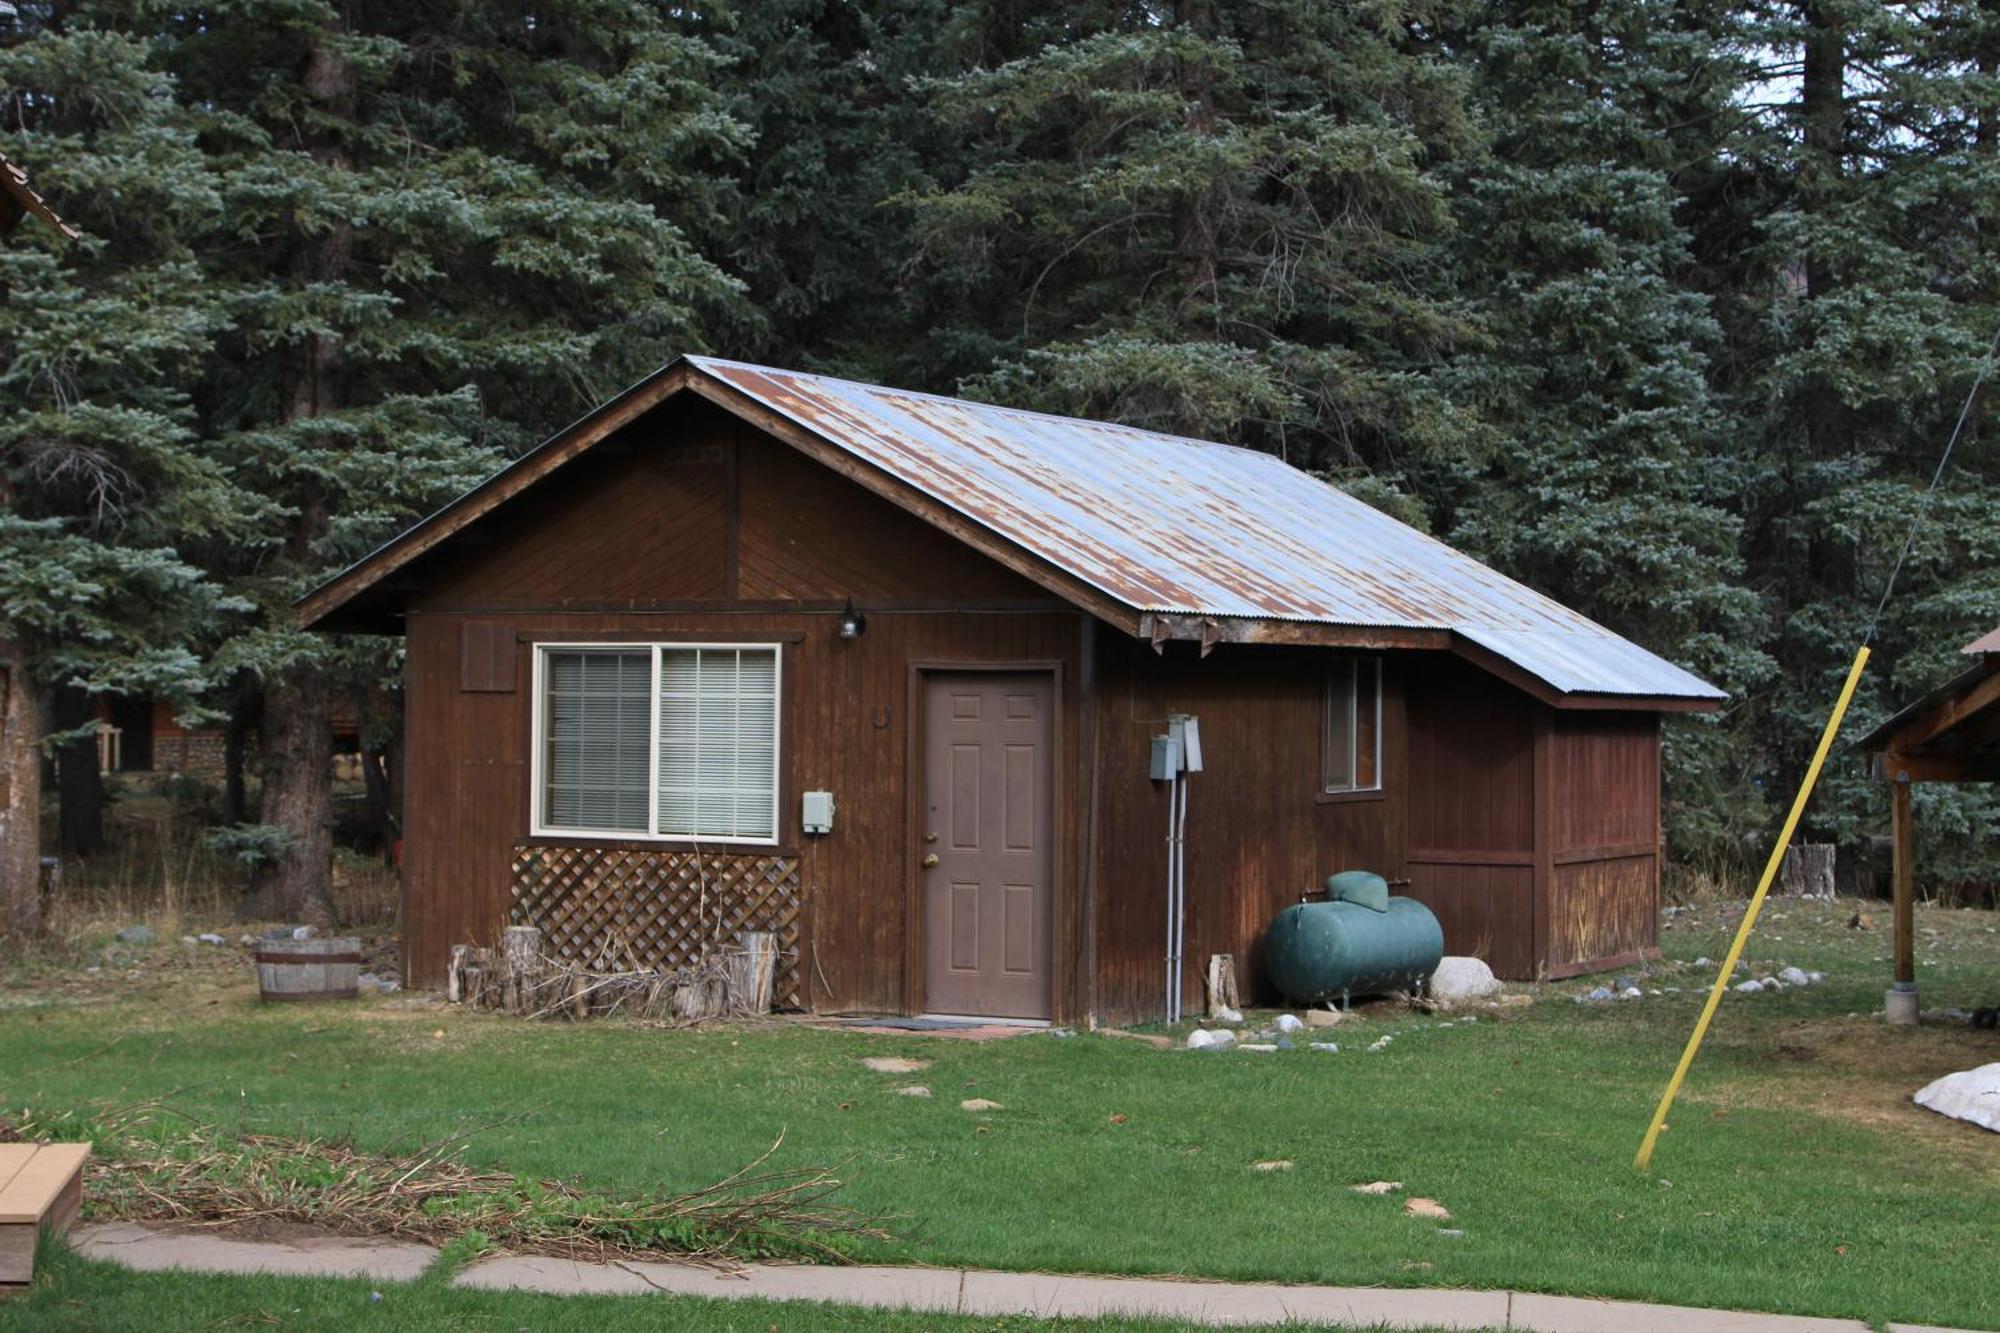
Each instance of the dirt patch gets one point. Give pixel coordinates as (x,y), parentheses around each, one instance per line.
(1863,1072)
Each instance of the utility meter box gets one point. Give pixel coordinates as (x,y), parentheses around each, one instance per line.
(816,811)
(1166,764)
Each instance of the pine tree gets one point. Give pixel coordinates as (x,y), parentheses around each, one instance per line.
(100,482)
(1608,480)
(1209,219)
(438,231)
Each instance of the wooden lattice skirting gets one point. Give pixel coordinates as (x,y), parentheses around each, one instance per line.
(631,908)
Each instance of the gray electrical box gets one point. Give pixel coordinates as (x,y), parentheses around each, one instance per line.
(816,811)
(1188,731)
(1166,764)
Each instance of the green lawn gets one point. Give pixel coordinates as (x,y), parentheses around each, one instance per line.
(1796,1176)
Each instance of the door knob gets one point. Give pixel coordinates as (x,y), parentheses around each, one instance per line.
(930,860)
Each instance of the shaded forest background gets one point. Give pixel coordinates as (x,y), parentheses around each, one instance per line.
(1664,308)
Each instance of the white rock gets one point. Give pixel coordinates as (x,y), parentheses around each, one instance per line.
(1330,1047)
(1972,1095)
(1224,1014)
(1257,1046)
(1704,962)
(302,932)
(1380,1043)
(1289,1023)
(1750,987)
(209,939)
(1324,1018)
(1202,1039)
(1815,978)
(914,1090)
(1795,976)
(1631,993)
(1462,980)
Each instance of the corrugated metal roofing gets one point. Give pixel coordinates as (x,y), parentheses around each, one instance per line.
(1190,527)
(1984,645)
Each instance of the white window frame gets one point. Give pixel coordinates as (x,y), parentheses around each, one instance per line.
(538,743)
(1359,664)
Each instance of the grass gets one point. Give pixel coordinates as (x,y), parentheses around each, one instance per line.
(72,1295)
(1796,1178)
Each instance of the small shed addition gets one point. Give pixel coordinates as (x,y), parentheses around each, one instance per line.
(1951,734)
(882,672)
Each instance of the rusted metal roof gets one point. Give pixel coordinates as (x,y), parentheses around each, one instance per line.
(1187,527)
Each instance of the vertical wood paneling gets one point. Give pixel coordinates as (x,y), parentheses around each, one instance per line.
(1604,899)
(1258,834)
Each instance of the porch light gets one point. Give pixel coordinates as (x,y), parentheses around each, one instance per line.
(852,622)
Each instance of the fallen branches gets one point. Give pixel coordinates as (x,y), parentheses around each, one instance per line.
(518,978)
(145,1169)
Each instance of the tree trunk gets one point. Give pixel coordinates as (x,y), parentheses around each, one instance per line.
(235,742)
(79,786)
(298,797)
(297,727)
(1823,108)
(20,798)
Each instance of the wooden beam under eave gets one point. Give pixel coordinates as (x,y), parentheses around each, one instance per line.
(1165,626)
(1948,714)
(1903,769)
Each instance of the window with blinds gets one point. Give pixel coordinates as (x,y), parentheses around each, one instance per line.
(667,740)
(1352,752)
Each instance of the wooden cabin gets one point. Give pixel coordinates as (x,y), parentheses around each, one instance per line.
(647,657)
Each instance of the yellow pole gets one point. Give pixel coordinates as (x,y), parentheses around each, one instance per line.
(1645,1157)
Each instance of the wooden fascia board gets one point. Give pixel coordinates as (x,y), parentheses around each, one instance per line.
(904,496)
(1945,715)
(1894,767)
(496,490)
(1166,626)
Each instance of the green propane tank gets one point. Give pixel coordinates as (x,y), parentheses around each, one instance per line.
(1360,941)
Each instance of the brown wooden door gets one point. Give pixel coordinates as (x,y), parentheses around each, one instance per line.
(988,819)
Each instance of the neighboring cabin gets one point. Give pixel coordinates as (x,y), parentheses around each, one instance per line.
(627,667)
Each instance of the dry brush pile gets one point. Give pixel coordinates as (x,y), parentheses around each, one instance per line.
(154,1164)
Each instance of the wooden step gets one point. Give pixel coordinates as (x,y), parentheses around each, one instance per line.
(41,1189)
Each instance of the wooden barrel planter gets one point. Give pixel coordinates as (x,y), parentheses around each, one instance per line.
(309,969)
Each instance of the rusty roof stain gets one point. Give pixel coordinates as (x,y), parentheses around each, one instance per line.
(1166,524)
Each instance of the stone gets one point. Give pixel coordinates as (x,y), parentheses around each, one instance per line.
(1203,1039)
(914,1090)
(1460,980)
(1228,1017)
(1451,1233)
(1750,987)
(1815,978)
(1324,1018)
(1279,1164)
(979,1104)
(302,933)
(1795,976)
(136,935)
(1259,1046)
(210,938)
(1378,1187)
(1289,1023)
(894,1064)
(1971,1095)
(1630,993)
(1331,1048)
(1597,996)
(1427,1208)
(1380,1043)
(1285,1044)
(1704,962)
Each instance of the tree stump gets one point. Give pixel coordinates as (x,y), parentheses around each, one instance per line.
(1807,870)
(520,968)
(1222,982)
(753,970)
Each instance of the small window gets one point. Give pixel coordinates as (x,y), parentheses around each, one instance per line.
(664,741)
(1353,743)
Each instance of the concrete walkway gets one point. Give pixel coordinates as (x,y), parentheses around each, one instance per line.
(943,1290)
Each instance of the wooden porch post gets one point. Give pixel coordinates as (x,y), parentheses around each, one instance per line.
(1900,1006)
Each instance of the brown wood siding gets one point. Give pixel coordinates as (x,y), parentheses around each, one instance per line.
(1472,811)
(1604,891)
(1259,833)
(846,720)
